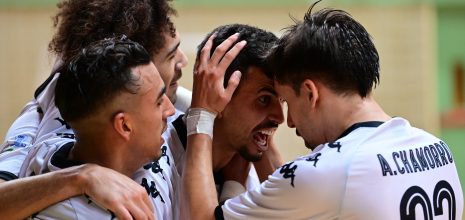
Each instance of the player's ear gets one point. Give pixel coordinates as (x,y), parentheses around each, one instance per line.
(309,90)
(122,125)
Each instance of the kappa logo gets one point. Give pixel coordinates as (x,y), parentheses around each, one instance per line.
(335,145)
(288,171)
(163,154)
(155,168)
(152,189)
(314,159)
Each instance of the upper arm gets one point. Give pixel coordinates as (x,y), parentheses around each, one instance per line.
(297,189)
(11,163)
(24,129)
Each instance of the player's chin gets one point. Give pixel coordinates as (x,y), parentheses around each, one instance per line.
(157,154)
(255,156)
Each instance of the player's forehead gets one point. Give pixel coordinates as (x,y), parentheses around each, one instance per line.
(256,81)
(170,46)
(284,91)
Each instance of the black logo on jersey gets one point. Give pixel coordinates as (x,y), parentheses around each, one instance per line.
(63,123)
(415,196)
(66,135)
(163,154)
(113,216)
(288,171)
(155,167)
(314,159)
(89,201)
(152,189)
(335,145)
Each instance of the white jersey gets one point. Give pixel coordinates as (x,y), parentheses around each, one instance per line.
(374,170)
(25,150)
(40,120)
(52,154)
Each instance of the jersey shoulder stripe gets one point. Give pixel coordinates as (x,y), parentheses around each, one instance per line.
(7,176)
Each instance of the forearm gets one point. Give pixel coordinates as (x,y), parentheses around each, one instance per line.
(23,197)
(200,198)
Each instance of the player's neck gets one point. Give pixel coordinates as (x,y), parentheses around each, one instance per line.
(222,154)
(103,153)
(354,109)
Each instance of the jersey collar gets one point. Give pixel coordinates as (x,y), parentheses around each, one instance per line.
(369,124)
(60,158)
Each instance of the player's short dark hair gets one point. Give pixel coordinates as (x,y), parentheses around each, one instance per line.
(259,42)
(96,75)
(329,45)
(81,22)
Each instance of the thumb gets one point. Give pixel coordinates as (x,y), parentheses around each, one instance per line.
(233,83)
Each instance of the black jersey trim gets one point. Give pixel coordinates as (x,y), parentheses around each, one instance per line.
(60,158)
(219,213)
(7,176)
(42,86)
(372,124)
(181,130)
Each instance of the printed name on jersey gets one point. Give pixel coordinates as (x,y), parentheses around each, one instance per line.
(416,160)
(152,189)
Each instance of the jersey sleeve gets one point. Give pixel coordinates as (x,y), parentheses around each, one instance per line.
(290,191)
(23,131)
(11,162)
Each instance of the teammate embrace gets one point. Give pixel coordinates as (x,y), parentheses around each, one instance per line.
(101,138)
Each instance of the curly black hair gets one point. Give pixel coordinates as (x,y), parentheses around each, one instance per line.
(81,22)
(259,42)
(96,75)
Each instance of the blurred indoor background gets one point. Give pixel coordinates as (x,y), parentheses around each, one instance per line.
(421,45)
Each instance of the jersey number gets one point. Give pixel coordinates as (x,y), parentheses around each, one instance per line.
(417,196)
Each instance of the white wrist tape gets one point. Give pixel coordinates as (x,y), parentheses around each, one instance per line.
(200,121)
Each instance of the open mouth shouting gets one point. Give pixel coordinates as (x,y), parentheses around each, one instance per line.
(261,138)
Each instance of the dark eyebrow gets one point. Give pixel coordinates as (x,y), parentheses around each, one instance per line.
(173,50)
(162,92)
(268,89)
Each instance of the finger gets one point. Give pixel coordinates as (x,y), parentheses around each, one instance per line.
(221,49)
(233,83)
(148,208)
(205,52)
(148,203)
(136,211)
(231,55)
(122,213)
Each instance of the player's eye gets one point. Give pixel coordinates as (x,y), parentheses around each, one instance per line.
(265,100)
